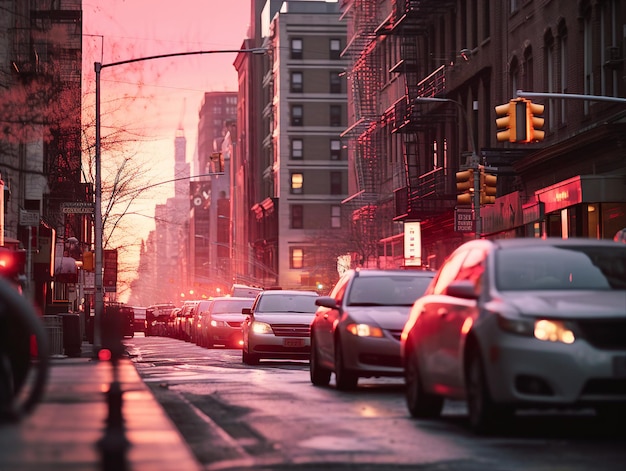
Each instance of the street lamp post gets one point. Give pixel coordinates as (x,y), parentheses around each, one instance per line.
(98,66)
(474,160)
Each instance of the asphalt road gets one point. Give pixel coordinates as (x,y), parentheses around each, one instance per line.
(236,416)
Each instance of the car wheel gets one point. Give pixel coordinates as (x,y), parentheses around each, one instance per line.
(421,404)
(484,415)
(346,380)
(320,376)
(249,358)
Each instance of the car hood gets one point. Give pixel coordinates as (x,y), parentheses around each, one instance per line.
(285,318)
(386,317)
(572,305)
(228,317)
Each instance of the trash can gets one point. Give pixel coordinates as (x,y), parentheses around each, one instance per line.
(72,338)
(53,326)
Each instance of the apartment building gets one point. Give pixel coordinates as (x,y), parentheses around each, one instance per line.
(304,166)
(40,140)
(470,56)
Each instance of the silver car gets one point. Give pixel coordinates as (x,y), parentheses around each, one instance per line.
(277,326)
(356,330)
(520,323)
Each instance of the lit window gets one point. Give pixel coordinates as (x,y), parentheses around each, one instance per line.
(297,181)
(297,258)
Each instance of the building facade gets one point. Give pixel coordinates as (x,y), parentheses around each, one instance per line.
(471,56)
(40,143)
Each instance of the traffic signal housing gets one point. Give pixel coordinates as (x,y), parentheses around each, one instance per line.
(488,182)
(465,186)
(511,121)
(534,121)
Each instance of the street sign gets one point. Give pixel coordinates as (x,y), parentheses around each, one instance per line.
(77,208)
(464,220)
(29,218)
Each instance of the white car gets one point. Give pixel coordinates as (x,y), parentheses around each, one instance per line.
(277,326)
(520,323)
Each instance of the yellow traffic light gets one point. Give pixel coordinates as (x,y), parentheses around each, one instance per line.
(465,186)
(534,121)
(488,190)
(505,122)
(88,261)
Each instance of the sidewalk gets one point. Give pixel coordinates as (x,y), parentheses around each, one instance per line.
(70,428)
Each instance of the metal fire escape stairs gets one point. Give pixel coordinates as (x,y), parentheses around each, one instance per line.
(411,21)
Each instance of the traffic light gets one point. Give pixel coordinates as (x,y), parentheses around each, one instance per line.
(534,121)
(12,262)
(465,186)
(511,121)
(488,183)
(88,261)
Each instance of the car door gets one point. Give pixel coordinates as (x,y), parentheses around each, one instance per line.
(324,324)
(433,322)
(456,318)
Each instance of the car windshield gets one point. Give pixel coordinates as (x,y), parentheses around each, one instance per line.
(287,303)
(561,268)
(387,290)
(222,307)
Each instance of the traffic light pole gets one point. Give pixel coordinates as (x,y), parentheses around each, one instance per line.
(570,96)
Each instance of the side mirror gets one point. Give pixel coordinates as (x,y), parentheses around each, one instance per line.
(246,310)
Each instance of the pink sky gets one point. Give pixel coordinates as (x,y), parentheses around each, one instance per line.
(169,91)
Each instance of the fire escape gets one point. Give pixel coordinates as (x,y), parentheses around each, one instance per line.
(427,191)
(362,137)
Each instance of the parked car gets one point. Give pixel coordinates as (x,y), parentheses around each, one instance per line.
(520,323)
(184,320)
(157,316)
(356,330)
(195,326)
(140,318)
(277,326)
(220,322)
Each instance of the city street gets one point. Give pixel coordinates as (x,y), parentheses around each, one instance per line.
(236,416)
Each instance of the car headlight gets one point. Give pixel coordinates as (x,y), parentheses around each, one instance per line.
(261,328)
(542,329)
(217,323)
(364,330)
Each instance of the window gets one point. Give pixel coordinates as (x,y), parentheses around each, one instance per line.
(297,113)
(296,48)
(335,183)
(335,48)
(296,257)
(296,82)
(335,115)
(528,69)
(335,149)
(335,217)
(296,149)
(335,82)
(297,219)
(297,182)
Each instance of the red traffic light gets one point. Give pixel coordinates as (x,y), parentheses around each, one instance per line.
(12,262)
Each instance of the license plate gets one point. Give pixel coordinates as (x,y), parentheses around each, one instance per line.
(619,366)
(293,343)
